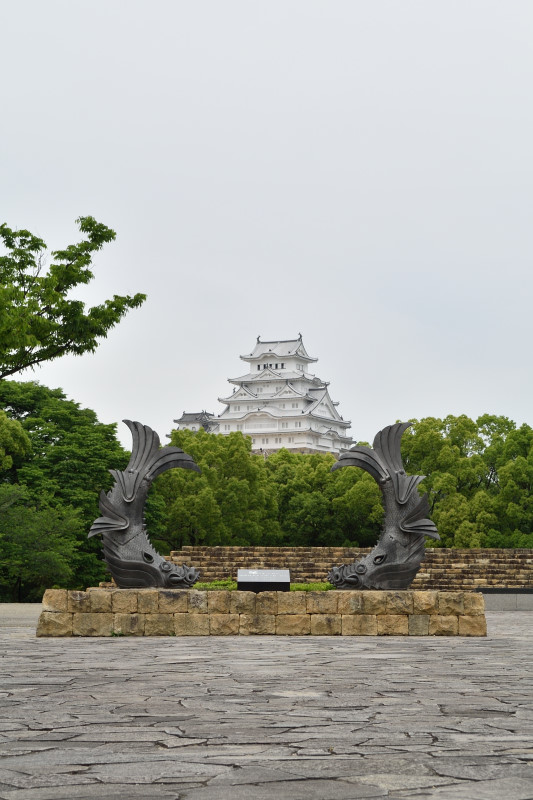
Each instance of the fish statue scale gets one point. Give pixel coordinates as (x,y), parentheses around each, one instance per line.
(396,558)
(129,555)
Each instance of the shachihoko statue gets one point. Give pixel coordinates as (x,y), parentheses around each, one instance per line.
(131,559)
(396,558)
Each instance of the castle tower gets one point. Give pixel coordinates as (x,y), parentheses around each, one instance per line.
(279,403)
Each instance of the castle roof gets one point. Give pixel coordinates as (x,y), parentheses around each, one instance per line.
(199,417)
(281,348)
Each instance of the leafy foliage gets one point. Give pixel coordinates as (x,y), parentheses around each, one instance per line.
(38,545)
(71,453)
(231,502)
(56,455)
(39,321)
(479,478)
(321,508)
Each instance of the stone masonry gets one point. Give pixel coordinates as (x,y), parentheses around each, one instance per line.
(177,612)
(443,568)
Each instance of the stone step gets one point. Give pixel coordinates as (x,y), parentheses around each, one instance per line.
(443,568)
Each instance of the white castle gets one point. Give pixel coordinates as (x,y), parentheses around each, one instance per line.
(278,403)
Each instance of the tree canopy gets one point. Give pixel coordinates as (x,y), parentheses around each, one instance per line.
(55,457)
(479,476)
(55,478)
(39,321)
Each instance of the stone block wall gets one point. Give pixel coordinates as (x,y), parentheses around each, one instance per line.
(443,568)
(177,612)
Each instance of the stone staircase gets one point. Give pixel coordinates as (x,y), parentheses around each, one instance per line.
(443,568)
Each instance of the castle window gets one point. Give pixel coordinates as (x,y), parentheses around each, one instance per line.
(259,366)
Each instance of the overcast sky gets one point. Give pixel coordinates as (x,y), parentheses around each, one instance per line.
(359,172)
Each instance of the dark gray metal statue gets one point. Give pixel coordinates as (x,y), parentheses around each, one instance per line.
(395,560)
(131,559)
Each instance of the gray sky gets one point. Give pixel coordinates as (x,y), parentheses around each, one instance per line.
(357,171)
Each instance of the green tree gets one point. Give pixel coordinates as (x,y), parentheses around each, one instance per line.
(321,508)
(38,546)
(39,321)
(13,441)
(231,502)
(71,454)
(479,476)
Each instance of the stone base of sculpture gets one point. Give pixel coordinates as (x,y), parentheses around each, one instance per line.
(164,612)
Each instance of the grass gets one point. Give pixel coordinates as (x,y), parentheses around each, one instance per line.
(230,585)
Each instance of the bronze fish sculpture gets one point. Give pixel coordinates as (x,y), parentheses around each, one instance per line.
(396,558)
(131,559)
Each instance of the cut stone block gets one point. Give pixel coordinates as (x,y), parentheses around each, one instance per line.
(197,602)
(359,625)
(55,600)
(89,624)
(443,625)
(350,602)
(374,602)
(291,603)
(79,601)
(322,602)
(218,602)
(223,624)
(124,601)
(418,625)
(242,602)
(129,624)
(261,624)
(159,625)
(474,604)
(191,624)
(425,602)
(148,601)
(400,602)
(100,601)
(451,603)
(472,626)
(326,624)
(293,624)
(173,601)
(54,623)
(266,603)
(393,625)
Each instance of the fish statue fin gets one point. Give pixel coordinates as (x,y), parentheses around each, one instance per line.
(147,460)
(417,521)
(364,458)
(387,446)
(111,520)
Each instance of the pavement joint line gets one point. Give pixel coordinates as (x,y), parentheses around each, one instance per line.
(249,718)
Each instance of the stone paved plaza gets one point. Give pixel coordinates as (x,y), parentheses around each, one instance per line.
(251,718)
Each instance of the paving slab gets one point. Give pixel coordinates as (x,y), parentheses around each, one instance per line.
(234,718)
